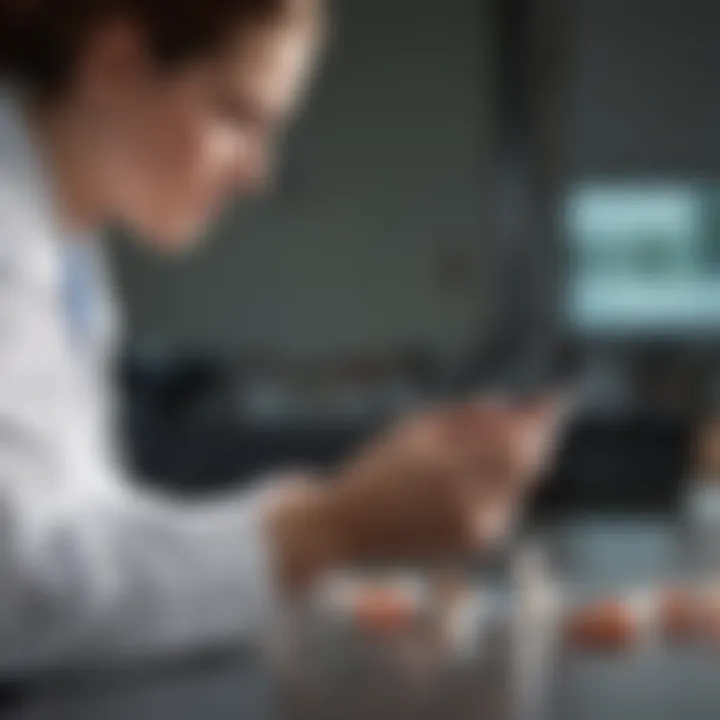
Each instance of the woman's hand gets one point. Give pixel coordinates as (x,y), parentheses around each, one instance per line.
(441,484)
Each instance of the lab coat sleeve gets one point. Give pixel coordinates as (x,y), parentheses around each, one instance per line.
(91,568)
(85,577)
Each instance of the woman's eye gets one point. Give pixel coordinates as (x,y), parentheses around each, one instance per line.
(232,112)
(229,115)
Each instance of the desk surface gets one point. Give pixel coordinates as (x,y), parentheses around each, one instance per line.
(661,684)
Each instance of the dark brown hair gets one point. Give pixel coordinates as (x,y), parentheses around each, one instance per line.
(40,40)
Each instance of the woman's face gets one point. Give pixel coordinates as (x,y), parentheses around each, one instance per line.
(171,147)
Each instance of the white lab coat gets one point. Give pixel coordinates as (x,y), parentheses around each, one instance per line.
(90,566)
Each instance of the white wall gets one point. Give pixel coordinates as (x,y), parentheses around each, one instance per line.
(390,169)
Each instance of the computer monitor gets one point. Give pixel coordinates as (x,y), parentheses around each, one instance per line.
(644,258)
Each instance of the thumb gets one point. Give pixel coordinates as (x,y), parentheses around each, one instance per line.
(536,431)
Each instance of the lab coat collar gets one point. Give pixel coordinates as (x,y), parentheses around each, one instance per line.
(23,179)
(25,184)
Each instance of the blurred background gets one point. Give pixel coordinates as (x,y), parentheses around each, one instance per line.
(483,195)
(478,195)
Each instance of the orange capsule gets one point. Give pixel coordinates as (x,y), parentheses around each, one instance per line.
(604,626)
(384,611)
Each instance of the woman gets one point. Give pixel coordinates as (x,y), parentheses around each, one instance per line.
(149,113)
